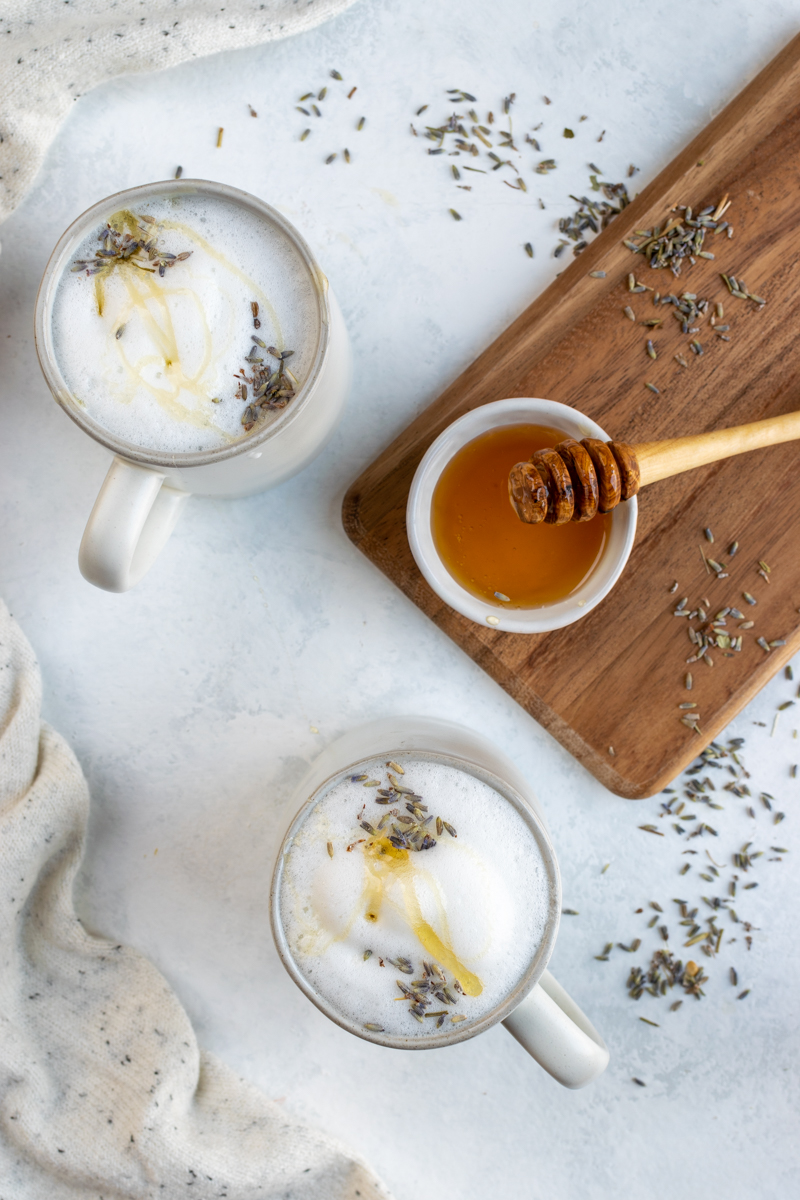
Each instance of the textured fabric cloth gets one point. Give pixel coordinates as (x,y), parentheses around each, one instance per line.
(52,51)
(104,1093)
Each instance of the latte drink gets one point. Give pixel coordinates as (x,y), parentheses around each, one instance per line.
(186,323)
(413,896)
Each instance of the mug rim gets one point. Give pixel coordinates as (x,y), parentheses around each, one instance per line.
(56,265)
(515,411)
(535,968)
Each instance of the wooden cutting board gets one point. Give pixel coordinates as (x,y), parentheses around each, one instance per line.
(608,687)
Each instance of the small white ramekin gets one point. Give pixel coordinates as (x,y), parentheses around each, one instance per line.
(420,535)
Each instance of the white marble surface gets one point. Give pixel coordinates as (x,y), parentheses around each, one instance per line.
(195,701)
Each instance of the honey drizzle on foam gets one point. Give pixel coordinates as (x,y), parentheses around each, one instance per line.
(385,863)
(146,295)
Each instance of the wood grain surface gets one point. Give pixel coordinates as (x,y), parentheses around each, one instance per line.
(615,679)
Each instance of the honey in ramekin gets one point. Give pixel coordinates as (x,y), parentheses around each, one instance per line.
(483,543)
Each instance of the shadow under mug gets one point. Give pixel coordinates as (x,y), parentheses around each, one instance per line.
(145,490)
(537,1011)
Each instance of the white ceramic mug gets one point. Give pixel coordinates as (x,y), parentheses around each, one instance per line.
(520,411)
(145,490)
(538,1012)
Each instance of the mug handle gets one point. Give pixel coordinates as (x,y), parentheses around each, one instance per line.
(132,518)
(551,1027)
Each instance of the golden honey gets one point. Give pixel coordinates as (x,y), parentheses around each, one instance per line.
(386,865)
(483,543)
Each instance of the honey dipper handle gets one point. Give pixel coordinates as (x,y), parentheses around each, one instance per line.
(660,460)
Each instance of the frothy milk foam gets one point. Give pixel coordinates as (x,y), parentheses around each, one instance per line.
(147,356)
(474,907)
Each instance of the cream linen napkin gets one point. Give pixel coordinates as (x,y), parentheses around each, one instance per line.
(104,1093)
(52,51)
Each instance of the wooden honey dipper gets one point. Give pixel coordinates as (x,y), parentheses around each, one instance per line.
(576,480)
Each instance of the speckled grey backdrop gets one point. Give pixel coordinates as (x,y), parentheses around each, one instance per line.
(194,702)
